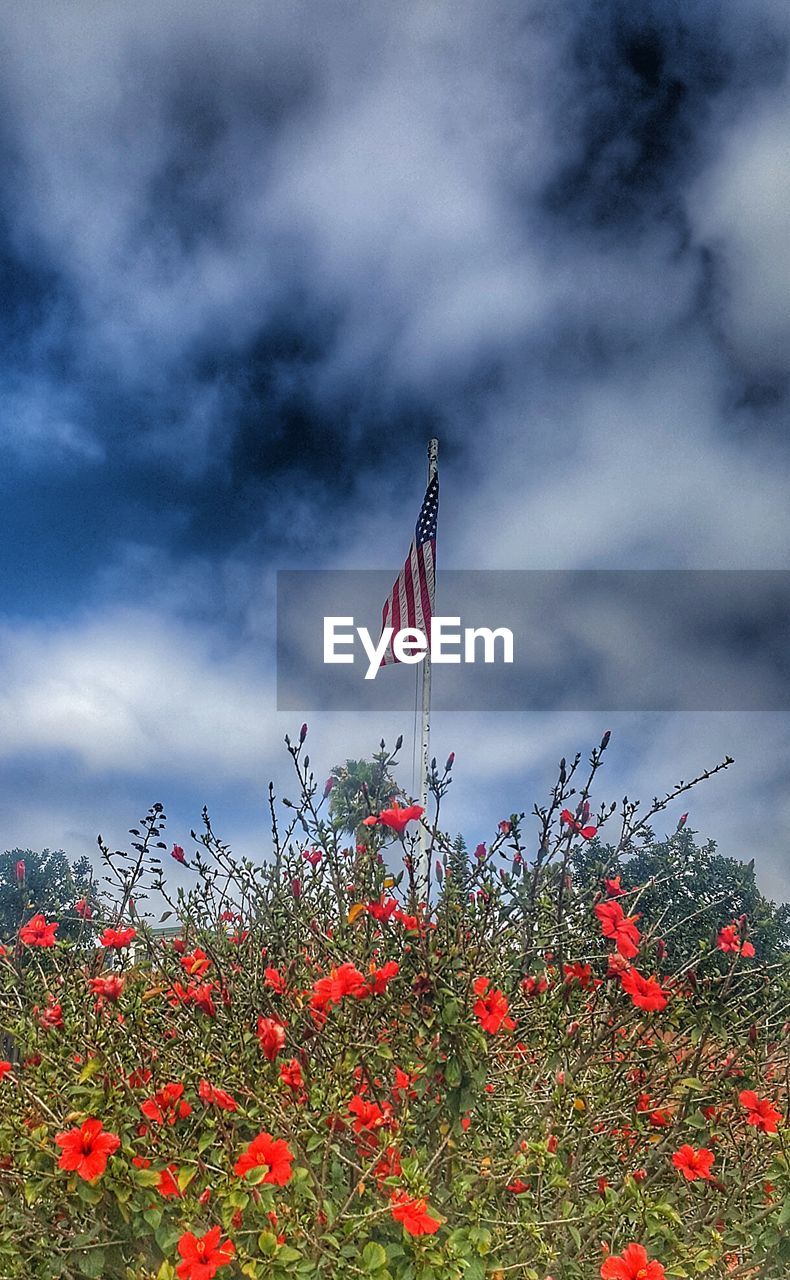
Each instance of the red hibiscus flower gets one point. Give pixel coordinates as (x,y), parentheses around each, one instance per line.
(109,988)
(291,1075)
(380,979)
(167,1185)
(413,1214)
(5,1067)
(532,986)
(760,1111)
(167,1106)
(613,886)
(569,820)
(694,1164)
(37,933)
(581,973)
(397,818)
(195,963)
(272,1037)
(274,979)
(178,853)
(86,1149)
(646,993)
(83,909)
(491,1007)
(203,1255)
(729,940)
(117,939)
(369,1115)
(621,928)
(632,1264)
(270,1153)
(210,1094)
(346,980)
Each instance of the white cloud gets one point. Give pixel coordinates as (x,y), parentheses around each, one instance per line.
(740,208)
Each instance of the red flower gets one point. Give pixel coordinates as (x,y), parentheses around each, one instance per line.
(117,939)
(274,979)
(51,1018)
(613,886)
(632,1264)
(210,1094)
(532,986)
(83,908)
(586,833)
(86,1149)
(619,927)
(491,1007)
(761,1113)
(5,1067)
(694,1164)
(729,940)
(413,1214)
(380,978)
(646,993)
(397,818)
(203,1255)
(346,980)
(37,933)
(581,973)
(291,1074)
(272,1037)
(195,963)
(270,1153)
(518,1187)
(369,1115)
(109,988)
(178,853)
(167,1185)
(167,1106)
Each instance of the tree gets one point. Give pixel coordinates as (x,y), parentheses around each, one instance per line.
(681,881)
(362,788)
(47,882)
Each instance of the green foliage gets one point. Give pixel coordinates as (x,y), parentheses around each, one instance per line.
(361,788)
(482,1072)
(50,884)
(680,881)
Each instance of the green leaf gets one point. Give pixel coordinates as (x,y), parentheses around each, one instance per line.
(91,1263)
(374,1257)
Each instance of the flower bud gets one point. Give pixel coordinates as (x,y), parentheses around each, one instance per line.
(328,785)
(302,734)
(682,821)
(605,739)
(450,762)
(661,949)
(20,872)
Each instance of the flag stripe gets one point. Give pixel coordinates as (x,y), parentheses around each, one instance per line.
(410,603)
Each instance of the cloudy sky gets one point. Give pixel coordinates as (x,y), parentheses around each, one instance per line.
(253,255)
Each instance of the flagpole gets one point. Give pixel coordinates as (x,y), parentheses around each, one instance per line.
(425,728)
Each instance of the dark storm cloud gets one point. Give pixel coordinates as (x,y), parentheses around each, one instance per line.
(285,241)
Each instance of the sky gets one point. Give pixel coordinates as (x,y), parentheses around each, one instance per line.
(252,256)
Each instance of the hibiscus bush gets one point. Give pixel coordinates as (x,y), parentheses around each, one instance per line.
(324,1065)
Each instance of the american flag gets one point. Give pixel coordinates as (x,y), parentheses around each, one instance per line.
(410,603)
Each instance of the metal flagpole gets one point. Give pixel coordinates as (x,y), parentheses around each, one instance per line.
(423,869)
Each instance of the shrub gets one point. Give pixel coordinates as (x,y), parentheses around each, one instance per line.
(317,1074)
